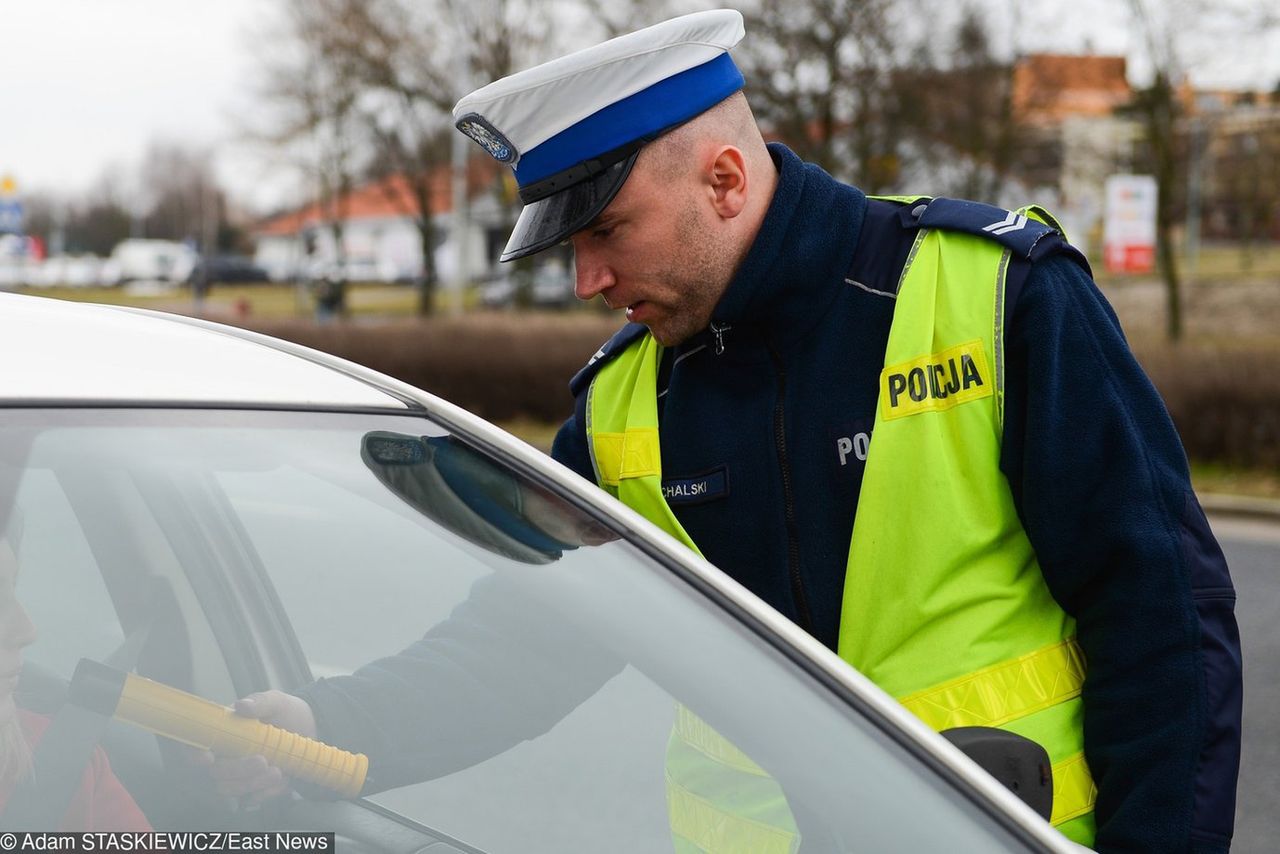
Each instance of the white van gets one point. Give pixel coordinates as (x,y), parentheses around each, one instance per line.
(151,260)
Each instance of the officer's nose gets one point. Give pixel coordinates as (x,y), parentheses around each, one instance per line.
(592,274)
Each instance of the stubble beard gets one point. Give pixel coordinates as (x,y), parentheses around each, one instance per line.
(696,277)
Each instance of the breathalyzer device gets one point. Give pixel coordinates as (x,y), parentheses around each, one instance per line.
(202,723)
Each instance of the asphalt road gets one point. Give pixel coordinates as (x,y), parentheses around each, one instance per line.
(1252,548)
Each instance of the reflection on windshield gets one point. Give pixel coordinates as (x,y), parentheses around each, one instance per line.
(462,490)
(511,668)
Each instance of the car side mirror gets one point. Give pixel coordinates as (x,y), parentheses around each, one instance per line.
(1019,763)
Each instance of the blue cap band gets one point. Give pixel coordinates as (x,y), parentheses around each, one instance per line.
(664,104)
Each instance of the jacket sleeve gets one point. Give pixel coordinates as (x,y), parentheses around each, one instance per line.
(1101,483)
(497,672)
(570,445)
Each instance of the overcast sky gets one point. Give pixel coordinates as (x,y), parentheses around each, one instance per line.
(86,84)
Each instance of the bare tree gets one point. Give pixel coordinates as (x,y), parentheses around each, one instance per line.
(618,17)
(1247,172)
(184,200)
(1171,31)
(92,222)
(312,99)
(958,108)
(821,76)
(1157,108)
(390,72)
(400,56)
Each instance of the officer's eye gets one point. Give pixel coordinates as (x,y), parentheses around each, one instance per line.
(602,233)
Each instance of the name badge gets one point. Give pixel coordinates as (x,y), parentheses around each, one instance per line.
(697,489)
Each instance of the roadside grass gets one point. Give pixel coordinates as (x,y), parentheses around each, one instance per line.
(262,301)
(1216,264)
(1232,480)
(277,301)
(1220,264)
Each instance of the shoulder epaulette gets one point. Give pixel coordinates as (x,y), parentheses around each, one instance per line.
(615,345)
(1028,238)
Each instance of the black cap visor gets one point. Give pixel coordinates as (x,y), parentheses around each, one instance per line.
(551,220)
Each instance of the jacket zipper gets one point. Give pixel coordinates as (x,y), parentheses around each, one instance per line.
(718,331)
(804,618)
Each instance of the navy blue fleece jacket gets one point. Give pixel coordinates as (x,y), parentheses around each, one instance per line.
(1097,472)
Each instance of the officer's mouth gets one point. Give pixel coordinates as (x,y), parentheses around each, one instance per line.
(638,311)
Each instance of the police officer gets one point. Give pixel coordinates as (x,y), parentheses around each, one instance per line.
(911,425)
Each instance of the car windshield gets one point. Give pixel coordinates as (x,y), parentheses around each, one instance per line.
(524,675)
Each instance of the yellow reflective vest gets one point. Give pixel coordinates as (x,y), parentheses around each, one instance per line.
(945,606)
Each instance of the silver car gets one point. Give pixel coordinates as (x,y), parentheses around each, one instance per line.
(226,513)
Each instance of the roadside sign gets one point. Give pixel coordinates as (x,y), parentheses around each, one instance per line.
(10,216)
(1129,226)
(10,207)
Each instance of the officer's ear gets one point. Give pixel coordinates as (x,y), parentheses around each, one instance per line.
(727,181)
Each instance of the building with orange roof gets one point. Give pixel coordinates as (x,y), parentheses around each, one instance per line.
(1049,88)
(1068,106)
(380,228)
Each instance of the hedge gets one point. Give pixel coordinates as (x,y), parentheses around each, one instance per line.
(1225,401)
(498,365)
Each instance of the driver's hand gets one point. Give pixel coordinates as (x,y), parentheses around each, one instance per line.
(252,779)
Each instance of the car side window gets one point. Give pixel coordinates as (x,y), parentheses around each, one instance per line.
(356,581)
(359,583)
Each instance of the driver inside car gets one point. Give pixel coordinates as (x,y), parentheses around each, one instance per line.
(100,802)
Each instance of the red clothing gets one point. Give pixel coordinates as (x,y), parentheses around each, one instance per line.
(101,802)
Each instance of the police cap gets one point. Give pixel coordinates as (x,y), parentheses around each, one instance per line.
(571,129)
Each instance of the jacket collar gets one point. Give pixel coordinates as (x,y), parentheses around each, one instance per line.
(807,239)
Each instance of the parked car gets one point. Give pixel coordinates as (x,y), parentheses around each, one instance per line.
(227,269)
(358,269)
(17,264)
(230,513)
(76,271)
(552,286)
(549,285)
(497,289)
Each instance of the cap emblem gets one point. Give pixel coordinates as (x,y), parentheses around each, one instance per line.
(498,146)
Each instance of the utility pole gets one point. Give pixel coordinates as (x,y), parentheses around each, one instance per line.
(460,151)
(1198,139)
(459,225)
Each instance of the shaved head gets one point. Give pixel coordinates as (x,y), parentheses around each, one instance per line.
(731,122)
(670,242)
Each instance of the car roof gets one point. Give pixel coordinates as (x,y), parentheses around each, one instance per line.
(64,352)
